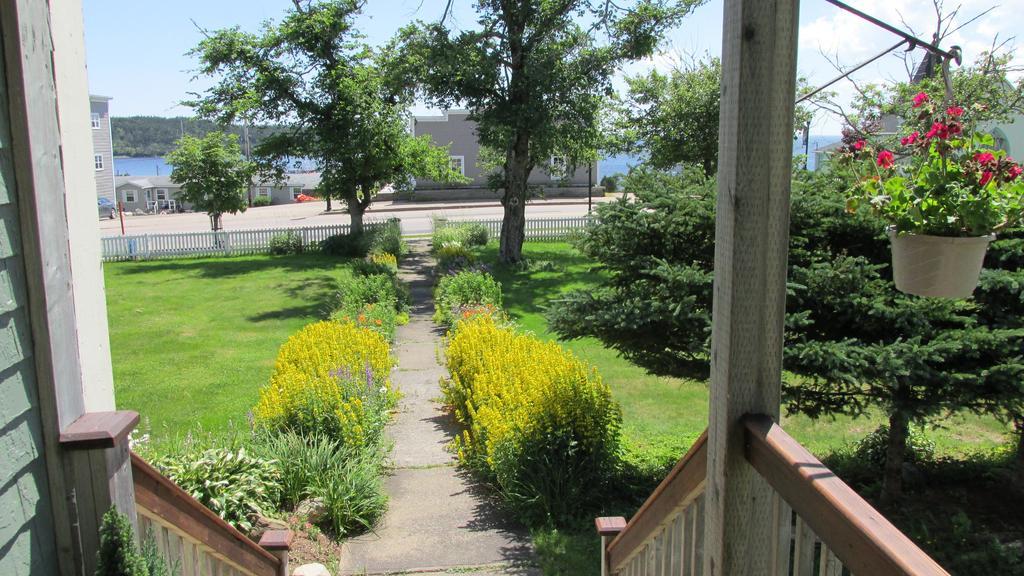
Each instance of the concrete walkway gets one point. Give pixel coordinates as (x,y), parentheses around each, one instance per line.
(438,520)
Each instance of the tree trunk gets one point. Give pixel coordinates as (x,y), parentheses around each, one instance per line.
(328,202)
(215,221)
(1018,470)
(355,210)
(513,223)
(892,481)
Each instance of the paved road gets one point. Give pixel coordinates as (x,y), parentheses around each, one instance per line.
(415,216)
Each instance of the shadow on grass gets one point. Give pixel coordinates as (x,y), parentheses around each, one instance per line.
(530,292)
(225,267)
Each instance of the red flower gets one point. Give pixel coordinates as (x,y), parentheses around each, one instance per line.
(886,159)
(984,158)
(954,128)
(986,177)
(938,129)
(858,145)
(920,99)
(910,139)
(955,111)
(1014,171)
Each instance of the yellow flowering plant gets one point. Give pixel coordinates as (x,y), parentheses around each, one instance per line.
(330,377)
(539,422)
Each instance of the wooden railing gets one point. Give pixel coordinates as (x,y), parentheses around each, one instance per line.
(194,539)
(666,536)
(820,526)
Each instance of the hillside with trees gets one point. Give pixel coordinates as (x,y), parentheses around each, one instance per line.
(156,136)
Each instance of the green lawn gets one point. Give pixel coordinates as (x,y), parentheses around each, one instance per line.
(663,412)
(193,340)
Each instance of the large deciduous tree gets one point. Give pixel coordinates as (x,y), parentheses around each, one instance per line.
(213,175)
(673,117)
(533,75)
(311,74)
(852,341)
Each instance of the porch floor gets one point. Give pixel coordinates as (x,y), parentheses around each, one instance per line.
(439,520)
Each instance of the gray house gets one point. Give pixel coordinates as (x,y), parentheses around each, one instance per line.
(160,194)
(102,146)
(455,129)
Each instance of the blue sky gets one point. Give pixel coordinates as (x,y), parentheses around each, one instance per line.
(136,49)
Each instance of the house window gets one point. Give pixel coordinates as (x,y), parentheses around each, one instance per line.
(264,191)
(296,192)
(161,193)
(95,120)
(97,161)
(458,164)
(129,196)
(558,167)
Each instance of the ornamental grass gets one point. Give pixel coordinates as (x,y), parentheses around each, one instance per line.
(539,423)
(331,378)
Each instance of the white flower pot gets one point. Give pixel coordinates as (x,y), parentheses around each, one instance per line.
(937,266)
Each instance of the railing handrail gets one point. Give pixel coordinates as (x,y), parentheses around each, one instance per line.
(682,484)
(162,497)
(860,536)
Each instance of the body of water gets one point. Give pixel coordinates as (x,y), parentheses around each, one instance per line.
(618,164)
(141,166)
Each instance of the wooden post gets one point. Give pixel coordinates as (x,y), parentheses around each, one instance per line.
(278,543)
(608,528)
(755,152)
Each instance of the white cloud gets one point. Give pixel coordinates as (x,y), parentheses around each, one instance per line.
(839,34)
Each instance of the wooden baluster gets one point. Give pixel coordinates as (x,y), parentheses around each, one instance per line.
(803,551)
(782,520)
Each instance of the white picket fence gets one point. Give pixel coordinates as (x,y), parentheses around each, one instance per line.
(537,229)
(221,243)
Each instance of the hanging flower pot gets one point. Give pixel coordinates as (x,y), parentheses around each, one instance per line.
(937,266)
(944,193)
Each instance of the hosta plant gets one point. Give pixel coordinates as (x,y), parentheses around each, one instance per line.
(945,179)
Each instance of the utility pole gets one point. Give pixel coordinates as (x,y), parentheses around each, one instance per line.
(590,187)
(248,152)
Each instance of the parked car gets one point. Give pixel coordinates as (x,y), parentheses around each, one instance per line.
(106,208)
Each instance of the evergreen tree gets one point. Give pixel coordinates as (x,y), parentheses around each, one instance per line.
(852,341)
(118,554)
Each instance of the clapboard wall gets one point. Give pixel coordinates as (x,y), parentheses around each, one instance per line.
(26,521)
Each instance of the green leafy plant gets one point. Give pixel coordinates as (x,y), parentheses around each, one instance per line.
(233,483)
(871,449)
(345,479)
(387,238)
(261,201)
(351,245)
(945,181)
(156,564)
(465,289)
(289,242)
(118,554)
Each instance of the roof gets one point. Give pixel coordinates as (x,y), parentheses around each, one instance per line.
(98,98)
(442,117)
(308,181)
(144,181)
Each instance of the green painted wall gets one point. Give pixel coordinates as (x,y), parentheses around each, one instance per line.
(26,522)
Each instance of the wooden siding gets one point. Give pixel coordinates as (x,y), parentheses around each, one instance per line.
(459,132)
(102,145)
(26,520)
